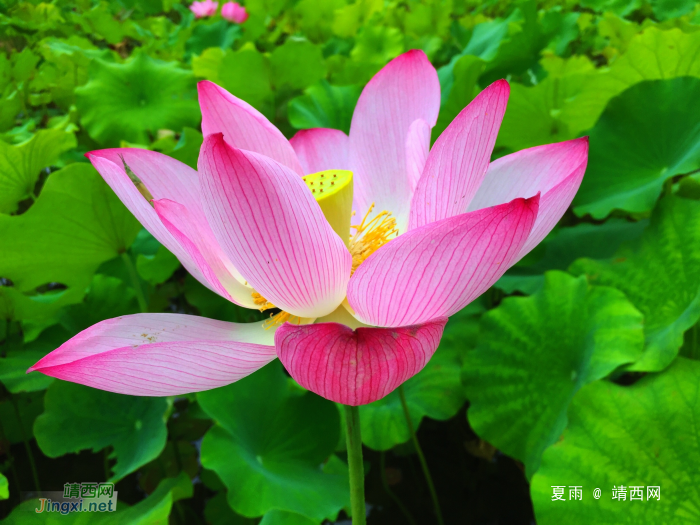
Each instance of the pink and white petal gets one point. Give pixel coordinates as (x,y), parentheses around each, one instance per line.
(160,354)
(405,90)
(243,126)
(194,235)
(553,170)
(163,176)
(436,270)
(417,149)
(117,179)
(356,367)
(321,149)
(459,159)
(273,230)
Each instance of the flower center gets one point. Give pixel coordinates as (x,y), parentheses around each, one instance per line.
(370,235)
(276,319)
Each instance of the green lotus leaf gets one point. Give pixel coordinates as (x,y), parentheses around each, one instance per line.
(245,73)
(78,417)
(458,86)
(268,444)
(377,44)
(20,166)
(76,224)
(642,435)
(108,297)
(619,7)
(668,9)
(187,148)
(29,405)
(280,517)
(661,276)
(324,106)
(297,64)
(18,358)
(633,152)
(653,54)
(132,101)
(535,114)
(534,353)
(563,246)
(218,512)
(217,34)
(157,268)
(316,17)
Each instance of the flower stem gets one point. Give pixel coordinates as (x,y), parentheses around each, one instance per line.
(421,457)
(356,467)
(131,269)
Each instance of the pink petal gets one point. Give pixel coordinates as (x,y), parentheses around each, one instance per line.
(459,158)
(165,177)
(243,126)
(417,148)
(194,234)
(436,270)
(355,367)
(234,12)
(153,174)
(554,170)
(405,90)
(321,149)
(160,354)
(273,230)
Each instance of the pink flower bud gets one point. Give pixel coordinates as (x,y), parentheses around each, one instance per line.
(234,12)
(203,9)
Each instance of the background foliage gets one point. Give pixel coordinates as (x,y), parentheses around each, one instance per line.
(580,365)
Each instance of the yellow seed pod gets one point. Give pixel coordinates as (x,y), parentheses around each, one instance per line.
(332,189)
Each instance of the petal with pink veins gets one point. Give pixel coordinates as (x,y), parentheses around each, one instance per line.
(165,177)
(405,90)
(417,150)
(243,126)
(194,234)
(153,177)
(436,270)
(553,170)
(356,367)
(321,149)
(459,159)
(273,230)
(160,354)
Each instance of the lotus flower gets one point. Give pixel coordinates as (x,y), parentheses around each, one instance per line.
(234,12)
(204,9)
(265,223)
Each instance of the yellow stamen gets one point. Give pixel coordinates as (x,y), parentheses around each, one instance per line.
(371,235)
(276,319)
(262,303)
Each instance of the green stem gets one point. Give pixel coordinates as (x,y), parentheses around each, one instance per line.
(131,269)
(421,457)
(356,467)
(32,464)
(391,494)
